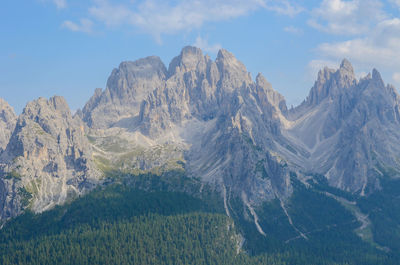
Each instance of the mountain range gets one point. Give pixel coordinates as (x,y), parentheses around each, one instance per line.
(212,123)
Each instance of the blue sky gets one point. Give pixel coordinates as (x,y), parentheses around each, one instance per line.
(69,47)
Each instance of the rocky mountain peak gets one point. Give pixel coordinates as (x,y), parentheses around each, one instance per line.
(345,76)
(8,119)
(44,112)
(227,60)
(48,156)
(377,78)
(127,87)
(233,72)
(267,95)
(346,66)
(41,105)
(330,83)
(350,122)
(321,88)
(128,82)
(189,59)
(261,81)
(6,111)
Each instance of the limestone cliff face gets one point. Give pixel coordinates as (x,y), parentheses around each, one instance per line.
(47,160)
(8,118)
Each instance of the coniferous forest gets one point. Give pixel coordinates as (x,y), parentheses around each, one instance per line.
(120,224)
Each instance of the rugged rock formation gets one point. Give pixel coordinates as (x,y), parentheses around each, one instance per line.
(212,121)
(349,128)
(126,88)
(47,160)
(221,101)
(8,118)
(223,123)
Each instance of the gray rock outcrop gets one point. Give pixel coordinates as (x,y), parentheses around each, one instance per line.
(8,119)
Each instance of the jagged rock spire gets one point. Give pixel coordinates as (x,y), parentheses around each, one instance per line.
(346,66)
(8,119)
(188,60)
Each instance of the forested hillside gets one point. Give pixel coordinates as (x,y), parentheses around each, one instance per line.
(119,224)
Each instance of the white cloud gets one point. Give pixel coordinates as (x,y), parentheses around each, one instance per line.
(158,17)
(293,30)
(112,15)
(161,17)
(284,7)
(379,48)
(205,46)
(346,17)
(84,25)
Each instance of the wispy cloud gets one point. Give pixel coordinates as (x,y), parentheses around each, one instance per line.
(373,34)
(380,47)
(84,25)
(60,3)
(205,46)
(158,17)
(164,17)
(112,14)
(284,7)
(346,17)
